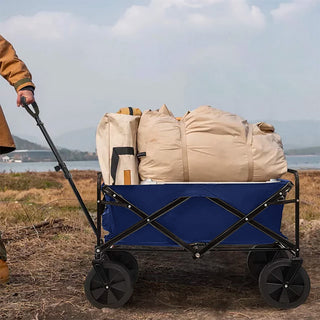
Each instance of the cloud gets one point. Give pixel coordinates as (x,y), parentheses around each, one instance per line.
(168,15)
(294,9)
(159,17)
(61,36)
(43,25)
(49,26)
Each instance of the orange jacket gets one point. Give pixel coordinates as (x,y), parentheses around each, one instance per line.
(12,68)
(17,74)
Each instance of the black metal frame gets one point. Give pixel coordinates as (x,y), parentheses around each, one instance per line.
(61,165)
(199,249)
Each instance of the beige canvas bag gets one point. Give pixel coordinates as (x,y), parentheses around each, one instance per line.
(267,151)
(207,144)
(116,148)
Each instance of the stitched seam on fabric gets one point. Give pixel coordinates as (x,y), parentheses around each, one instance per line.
(184,151)
(110,152)
(250,152)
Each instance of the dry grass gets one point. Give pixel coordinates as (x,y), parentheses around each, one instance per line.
(50,247)
(36,202)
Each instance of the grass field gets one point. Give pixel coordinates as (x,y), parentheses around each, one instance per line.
(50,247)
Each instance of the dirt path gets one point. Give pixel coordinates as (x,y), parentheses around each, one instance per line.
(47,275)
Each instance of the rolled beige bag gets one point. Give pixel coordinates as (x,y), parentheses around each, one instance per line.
(207,145)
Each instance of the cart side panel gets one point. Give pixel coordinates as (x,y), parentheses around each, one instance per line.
(198,219)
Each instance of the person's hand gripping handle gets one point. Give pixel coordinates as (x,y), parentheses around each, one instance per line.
(35,112)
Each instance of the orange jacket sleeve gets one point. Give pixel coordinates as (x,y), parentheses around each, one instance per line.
(12,68)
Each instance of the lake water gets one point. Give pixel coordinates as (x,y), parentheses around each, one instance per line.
(47,166)
(294,162)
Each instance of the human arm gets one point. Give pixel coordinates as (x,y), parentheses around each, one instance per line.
(15,72)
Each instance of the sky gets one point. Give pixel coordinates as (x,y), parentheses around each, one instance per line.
(255,58)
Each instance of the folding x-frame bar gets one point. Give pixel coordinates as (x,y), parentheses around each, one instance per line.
(198,250)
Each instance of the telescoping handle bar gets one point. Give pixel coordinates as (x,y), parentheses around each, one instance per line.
(35,114)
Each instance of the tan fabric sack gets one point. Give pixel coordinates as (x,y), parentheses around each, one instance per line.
(267,151)
(206,145)
(116,148)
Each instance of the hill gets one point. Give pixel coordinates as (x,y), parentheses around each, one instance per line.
(82,139)
(304,151)
(298,136)
(295,134)
(22,144)
(66,154)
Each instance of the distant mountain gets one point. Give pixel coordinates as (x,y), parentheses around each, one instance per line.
(83,140)
(295,134)
(66,154)
(304,151)
(298,134)
(22,144)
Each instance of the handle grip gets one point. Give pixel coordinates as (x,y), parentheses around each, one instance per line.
(35,112)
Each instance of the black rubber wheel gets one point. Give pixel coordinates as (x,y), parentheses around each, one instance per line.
(113,291)
(279,293)
(256,260)
(128,260)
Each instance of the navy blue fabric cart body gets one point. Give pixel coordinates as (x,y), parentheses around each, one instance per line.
(198,219)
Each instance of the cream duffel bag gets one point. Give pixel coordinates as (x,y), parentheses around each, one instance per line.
(116,148)
(207,144)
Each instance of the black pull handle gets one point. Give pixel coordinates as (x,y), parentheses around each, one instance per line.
(35,112)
